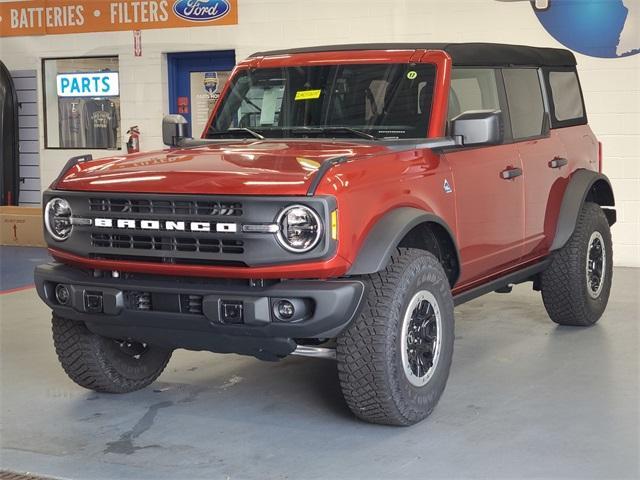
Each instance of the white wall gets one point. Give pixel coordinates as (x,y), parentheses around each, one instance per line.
(611,86)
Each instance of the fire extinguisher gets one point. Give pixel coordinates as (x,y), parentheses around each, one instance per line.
(133,144)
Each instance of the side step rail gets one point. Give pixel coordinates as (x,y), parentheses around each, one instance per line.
(501,284)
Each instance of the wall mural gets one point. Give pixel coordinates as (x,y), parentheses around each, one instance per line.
(598,28)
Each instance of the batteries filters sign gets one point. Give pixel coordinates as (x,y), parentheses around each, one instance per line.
(51,17)
(101,84)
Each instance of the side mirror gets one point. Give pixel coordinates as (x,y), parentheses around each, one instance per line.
(478,127)
(174,130)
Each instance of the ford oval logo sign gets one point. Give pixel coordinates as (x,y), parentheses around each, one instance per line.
(201,10)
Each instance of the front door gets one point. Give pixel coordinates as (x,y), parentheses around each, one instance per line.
(196,80)
(488,183)
(490,209)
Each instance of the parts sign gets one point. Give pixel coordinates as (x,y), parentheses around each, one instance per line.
(51,17)
(99,84)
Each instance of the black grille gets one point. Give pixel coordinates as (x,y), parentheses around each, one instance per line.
(167,243)
(184,229)
(166,207)
(163,302)
(169,259)
(138,301)
(191,304)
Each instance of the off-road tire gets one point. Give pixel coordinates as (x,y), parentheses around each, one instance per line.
(564,282)
(369,353)
(99,364)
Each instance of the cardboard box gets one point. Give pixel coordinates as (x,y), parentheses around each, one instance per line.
(21,226)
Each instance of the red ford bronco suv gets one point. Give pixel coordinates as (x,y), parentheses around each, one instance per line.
(340,202)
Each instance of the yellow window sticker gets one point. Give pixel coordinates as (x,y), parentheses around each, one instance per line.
(412,75)
(308,94)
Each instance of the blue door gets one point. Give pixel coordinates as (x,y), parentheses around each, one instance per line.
(195,82)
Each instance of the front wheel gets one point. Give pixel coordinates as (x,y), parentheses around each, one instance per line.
(394,358)
(104,364)
(576,285)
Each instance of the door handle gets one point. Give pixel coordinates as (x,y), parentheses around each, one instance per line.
(510,173)
(558,162)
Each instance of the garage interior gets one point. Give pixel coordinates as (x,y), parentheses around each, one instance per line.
(526,398)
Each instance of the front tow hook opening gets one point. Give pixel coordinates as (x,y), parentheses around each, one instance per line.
(231,311)
(93,302)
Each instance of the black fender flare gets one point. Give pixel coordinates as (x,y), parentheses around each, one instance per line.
(582,183)
(386,235)
(72,162)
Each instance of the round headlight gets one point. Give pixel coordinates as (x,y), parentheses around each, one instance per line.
(300,228)
(57,219)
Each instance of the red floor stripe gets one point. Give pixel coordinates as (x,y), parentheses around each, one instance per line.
(18,289)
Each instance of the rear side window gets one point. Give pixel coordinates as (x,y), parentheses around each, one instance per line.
(472,89)
(567,107)
(526,106)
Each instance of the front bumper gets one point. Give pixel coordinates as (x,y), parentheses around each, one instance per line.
(169,318)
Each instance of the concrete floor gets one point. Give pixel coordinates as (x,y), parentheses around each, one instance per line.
(525,399)
(17,264)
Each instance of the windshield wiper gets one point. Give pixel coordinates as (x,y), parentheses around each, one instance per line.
(353,131)
(232,131)
(356,132)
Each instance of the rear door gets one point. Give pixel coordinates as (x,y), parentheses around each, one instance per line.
(543,155)
(490,208)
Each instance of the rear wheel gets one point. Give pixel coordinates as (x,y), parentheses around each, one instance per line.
(104,364)
(394,359)
(577,283)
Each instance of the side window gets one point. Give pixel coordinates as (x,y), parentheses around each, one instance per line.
(526,106)
(472,89)
(566,98)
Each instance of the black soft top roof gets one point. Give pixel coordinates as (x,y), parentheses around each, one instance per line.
(463,54)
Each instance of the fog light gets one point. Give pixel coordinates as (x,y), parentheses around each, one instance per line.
(286,310)
(63,296)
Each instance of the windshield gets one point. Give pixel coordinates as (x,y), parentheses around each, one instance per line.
(366,101)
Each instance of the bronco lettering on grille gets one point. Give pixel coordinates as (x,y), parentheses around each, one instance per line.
(165,225)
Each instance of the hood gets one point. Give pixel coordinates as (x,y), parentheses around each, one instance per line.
(265,167)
